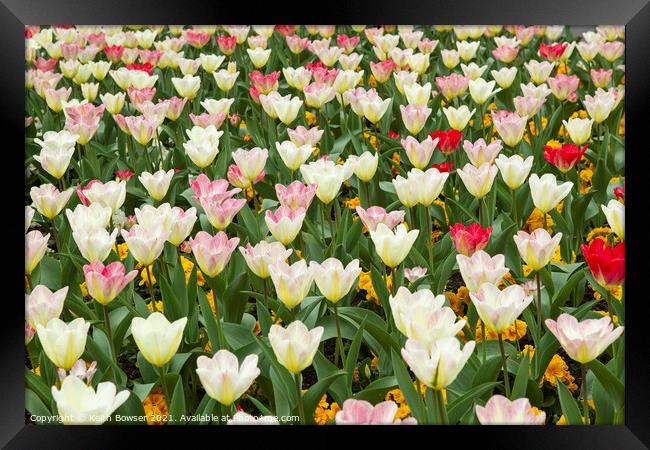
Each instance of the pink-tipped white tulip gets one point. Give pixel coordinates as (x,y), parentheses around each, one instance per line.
(500,411)
(104,283)
(223,378)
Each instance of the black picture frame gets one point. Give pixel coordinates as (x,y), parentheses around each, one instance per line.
(634,14)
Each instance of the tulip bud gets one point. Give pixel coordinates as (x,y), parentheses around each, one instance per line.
(295,346)
(157,338)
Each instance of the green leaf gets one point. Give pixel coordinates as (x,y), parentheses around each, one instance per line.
(570,408)
(405,382)
(177,407)
(209,320)
(521,379)
(610,382)
(353,353)
(36,407)
(457,408)
(314,394)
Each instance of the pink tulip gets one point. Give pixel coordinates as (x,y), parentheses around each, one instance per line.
(528,105)
(175,107)
(419,153)
(285,223)
(415,273)
(211,191)
(500,411)
(141,128)
(382,70)
(510,126)
(563,85)
(296,44)
(375,215)
(104,283)
(414,117)
(138,96)
(453,85)
(251,162)
(295,195)
(584,341)
(505,53)
(205,120)
(41,305)
(601,77)
(83,120)
(305,136)
(361,412)
(35,247)
(212,253)
(480,152)
(220,214)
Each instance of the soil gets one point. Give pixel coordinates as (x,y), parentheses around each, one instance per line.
(129,368)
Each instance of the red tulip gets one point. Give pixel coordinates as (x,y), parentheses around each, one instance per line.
(448,140)
(619,192)
(564,158)
(607,264)
(552,52)
(444,167)
(124,175)
(468,240)
(393,134)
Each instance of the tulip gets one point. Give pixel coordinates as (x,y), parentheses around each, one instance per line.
(333,280)
(500,411)
(505,53)
(478,181)
(391,247)
(56,97)
(584,341)
(565,157)
(607,263)
(29,215)
(415,273)
(472,71)
(63,343)
(205,120)
(546,192)
(404,78)
(79,404)
(346,79)
(514,169)
(579,129)
(414,117)
(482,90)
(113,102)
(111,194)
(458,118)
(177,222)
(157,338)
(212,253)
(297,78)
(286,109)
(220,214)
(467,49)
(539,71)
(56,152)
(35,247)
(104,283)
(203,145)
(468,240)
(305,136)
(601,77)
(94,243)
(504,76)
(225,79)
(452,86)
(292,282)
(611,51)
(48,200)
(510,127)
(293,155)
(361,412)
(223,378)
(600,105)
(83,120)
(374,107)
(439,365)
(563,86)
(259,56)
(375,215)
(417,95)
(536,248)
(213,106)
(317,94)
(481,268)
(251,162)
(259,257)
(450,58)
(529,105)
(146,243)
(295,346)
(285,223)
(187,87)
(426,186)
(295,195)
(328,176)
(365,165)
(480,152)
(499,309)
(41,305)
(541,92)
(615,214)
(419,153)
(422,317)
(157,184)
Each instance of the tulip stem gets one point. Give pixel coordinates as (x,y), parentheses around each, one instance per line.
(539,304)
(514,207)
(429,230)
(217,318)
(301,406)
(585,405)
(610,311)
(257,214)
(28,282)
(506,378)
(329,219)
(163,384)
(109,332)
(154,308)
(322,222)
(483,341)
(339,339)
(440,399)
(266,293)
(149,163)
